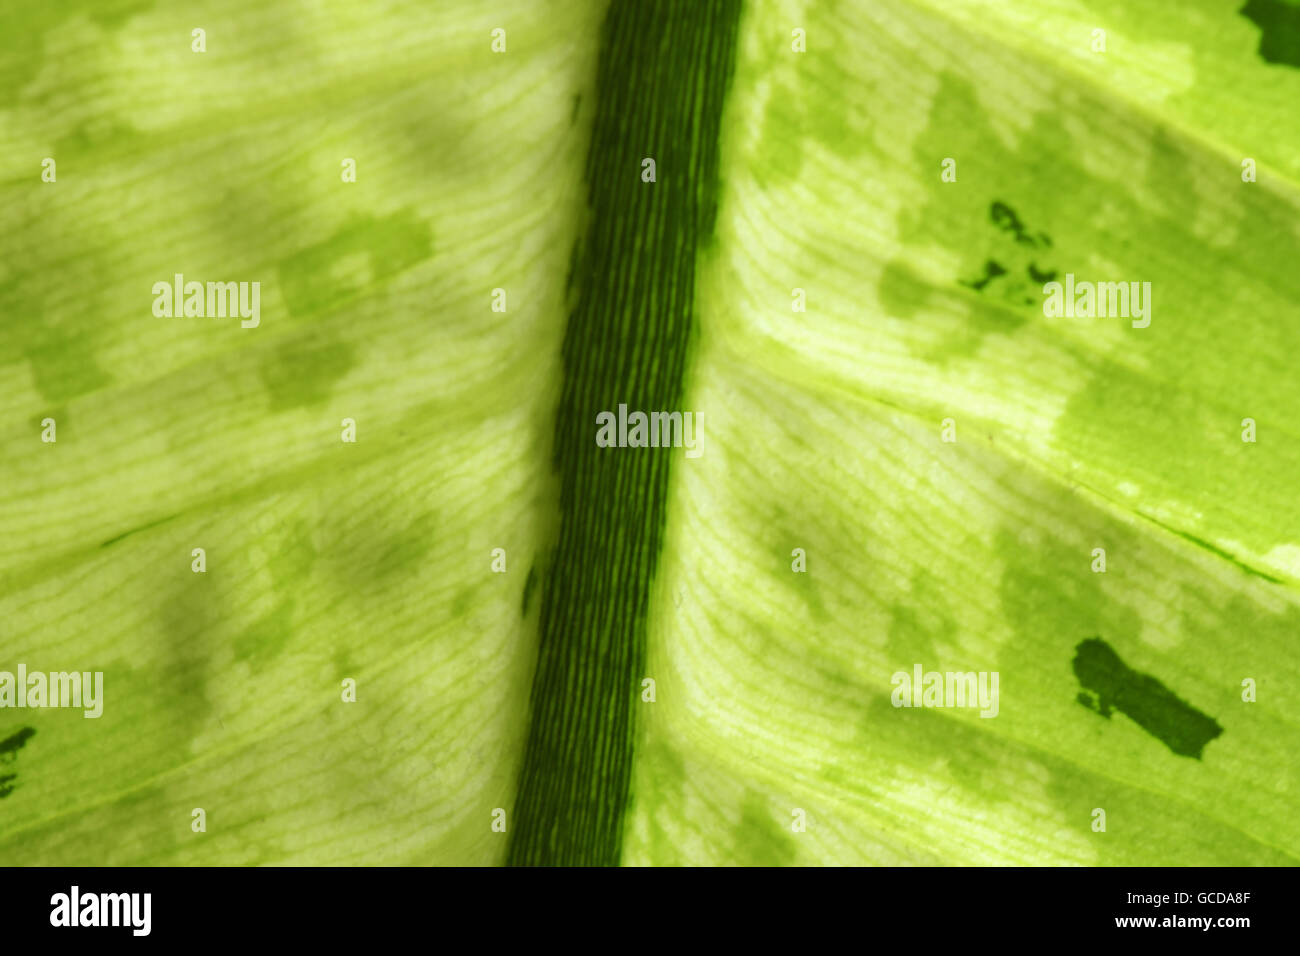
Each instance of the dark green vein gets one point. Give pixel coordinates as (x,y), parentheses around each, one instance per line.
(136,530)
(1225,555)
(661,81)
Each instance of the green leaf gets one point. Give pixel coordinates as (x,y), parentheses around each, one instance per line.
(325,560)
(772,737)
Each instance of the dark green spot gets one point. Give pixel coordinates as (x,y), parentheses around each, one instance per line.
(304,372)
(1037,276)
(1156,709)
(63,362)
(760,840)
(991,271)
(1005,218)
(336,270)
(9,748)
(1279,25)
(267,637)
(26,29)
